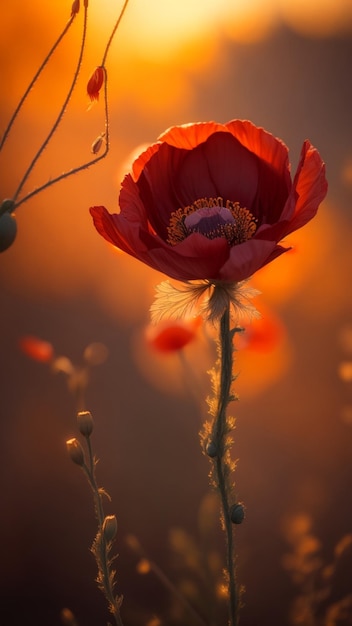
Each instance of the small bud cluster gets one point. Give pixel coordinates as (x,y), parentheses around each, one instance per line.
(74,448)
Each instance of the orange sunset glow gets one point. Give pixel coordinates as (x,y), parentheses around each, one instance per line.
(88,370)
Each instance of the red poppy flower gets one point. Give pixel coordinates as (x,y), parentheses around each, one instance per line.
(211,201)
(172,336)
(36,348)
(95,83)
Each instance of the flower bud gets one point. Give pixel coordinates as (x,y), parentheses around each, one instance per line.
(95,83)
(211,449)
(8,230)
(75,7)
(109,528)
(97,144)
(237,514)
(75,451)
(85,423)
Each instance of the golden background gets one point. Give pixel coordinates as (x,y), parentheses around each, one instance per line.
(286,66)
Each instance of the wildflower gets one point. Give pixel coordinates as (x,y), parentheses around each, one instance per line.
(95,83)
(212,202)
(36,348)
(263,334)
(172,336)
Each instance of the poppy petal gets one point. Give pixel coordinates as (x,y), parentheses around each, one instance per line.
(189,136)
(310,186)
(245,259)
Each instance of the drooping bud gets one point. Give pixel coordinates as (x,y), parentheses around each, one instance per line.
(109,528)
(85,423)
(8,230)
(75,8)
(237,514)
(95,83)
(97,144)
(75,451)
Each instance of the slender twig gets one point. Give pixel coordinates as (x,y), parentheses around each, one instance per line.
(166,582)
(61,113)
(91,162)
(34,80)
(82,167)
(114,32)
(106,577)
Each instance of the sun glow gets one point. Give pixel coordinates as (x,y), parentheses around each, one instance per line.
(159,29)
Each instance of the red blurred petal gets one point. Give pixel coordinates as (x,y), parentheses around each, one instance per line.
(95,83)
(189,136)
(172,336)
(310,185)
(36,348)
(261,335)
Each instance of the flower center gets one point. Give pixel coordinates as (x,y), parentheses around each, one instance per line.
(212,218)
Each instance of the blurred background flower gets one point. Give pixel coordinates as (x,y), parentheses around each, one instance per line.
(285,66)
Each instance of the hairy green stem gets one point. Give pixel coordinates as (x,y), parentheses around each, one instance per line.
(221,460)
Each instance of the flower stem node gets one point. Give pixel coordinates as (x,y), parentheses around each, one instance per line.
(109,528)
(237,514)
(212,450)
(85,423)
(75,451)
(8,230)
